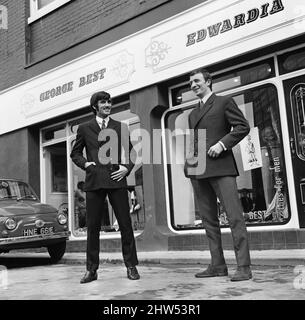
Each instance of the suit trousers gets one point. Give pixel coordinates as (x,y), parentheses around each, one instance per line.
(225,188)
(95,210)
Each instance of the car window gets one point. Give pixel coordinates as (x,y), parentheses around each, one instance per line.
(16,189)
(3,190)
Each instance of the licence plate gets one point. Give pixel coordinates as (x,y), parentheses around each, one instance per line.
(38,231)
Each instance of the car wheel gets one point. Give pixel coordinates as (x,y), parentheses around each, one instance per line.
(56,251)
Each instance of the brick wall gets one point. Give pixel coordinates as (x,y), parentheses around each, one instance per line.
(19,156)
(79,20)
(72,30)
(12,44)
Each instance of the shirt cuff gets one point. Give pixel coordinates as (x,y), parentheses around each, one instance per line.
(223,146)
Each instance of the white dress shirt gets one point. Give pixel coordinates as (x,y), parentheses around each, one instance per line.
(100,121)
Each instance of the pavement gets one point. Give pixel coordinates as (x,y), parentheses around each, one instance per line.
(291,257)
(277,275)
(258,257)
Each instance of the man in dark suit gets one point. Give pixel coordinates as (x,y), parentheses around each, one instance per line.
(103,138)
(224,125)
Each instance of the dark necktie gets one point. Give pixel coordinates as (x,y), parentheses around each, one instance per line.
(201,105)
(103,125)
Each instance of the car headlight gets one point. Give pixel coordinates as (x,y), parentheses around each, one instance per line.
(10,223)
(62,218)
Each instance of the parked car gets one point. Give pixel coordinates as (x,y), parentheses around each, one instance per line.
(27,223)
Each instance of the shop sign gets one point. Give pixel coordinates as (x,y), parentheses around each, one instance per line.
(213,31)
(200,36)
(106,73)
(239,20)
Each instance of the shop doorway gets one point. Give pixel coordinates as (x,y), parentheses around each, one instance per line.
(295,107)
(55,164)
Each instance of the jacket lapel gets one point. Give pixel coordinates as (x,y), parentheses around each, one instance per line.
(207,106)
(111,124)
(94,126)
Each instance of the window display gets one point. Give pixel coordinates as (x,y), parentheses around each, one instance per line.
(259,157)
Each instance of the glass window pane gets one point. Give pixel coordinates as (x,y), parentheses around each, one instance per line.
(292,61)
(259,157)
(54,133)
(243,76)
(297,99)
(58,166)
(16,189)
(43,3)
(232,79)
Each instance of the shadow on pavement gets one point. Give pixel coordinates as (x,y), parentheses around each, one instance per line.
(11,262)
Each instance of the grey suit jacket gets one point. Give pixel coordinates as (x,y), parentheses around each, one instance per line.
(223,121)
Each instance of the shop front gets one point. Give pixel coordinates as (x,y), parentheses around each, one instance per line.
(249,48)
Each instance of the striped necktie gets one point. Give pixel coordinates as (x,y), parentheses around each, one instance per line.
(103,125)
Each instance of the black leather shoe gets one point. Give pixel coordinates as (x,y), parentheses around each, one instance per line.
(242,273)
(132,273)
(89,276)
(213,271)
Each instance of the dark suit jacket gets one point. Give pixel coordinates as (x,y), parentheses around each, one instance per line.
(218,117)
(87,138)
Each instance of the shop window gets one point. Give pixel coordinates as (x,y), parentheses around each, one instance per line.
(58,159)
(297,100)
(292,61)
(261,182)
(39,8)
(54,133)
(232,79)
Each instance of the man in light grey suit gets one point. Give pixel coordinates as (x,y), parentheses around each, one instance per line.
(225,126)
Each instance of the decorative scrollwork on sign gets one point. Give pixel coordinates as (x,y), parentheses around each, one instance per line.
(27,103)
(155,53)
(124,66)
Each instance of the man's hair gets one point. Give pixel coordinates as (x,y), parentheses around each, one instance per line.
(101,95)
(206,75)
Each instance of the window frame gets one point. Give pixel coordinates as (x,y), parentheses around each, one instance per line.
(190,104)
(36,13)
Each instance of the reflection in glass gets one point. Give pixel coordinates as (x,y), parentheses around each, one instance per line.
(297,97)
(54,133)
(10,189)
(232,79)
(292,61)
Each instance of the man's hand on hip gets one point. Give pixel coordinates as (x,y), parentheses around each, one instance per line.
(119,174)
(87,164)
